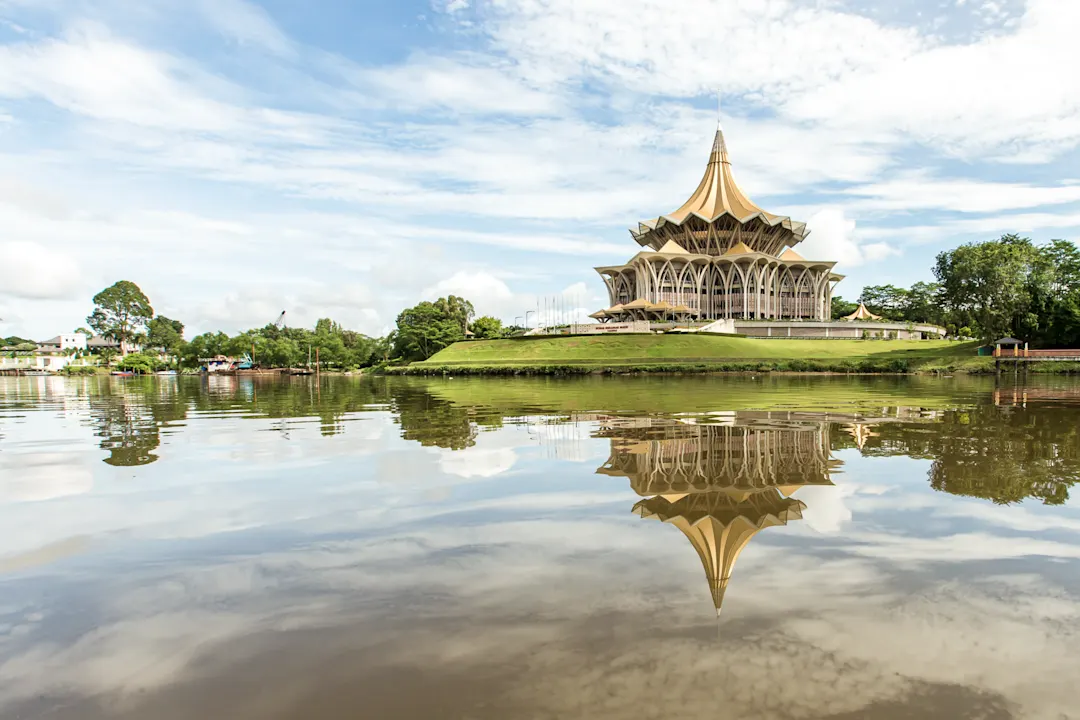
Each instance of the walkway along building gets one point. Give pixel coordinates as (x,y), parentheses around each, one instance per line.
(721,257)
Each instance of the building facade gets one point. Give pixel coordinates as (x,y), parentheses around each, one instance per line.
(719,256)
(70,341)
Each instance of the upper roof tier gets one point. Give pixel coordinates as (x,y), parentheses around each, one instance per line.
(717,196)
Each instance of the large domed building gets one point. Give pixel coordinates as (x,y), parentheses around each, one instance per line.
(720,257)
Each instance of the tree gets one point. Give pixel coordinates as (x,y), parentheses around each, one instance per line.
(204,346)
(888,301)
(1055,290)
(121,311)
(458,309)
(988,285)
(425,329)
(85,331)
(168,335)
(384,347)
(842,308)
(922,304)
(138,362)
(487,328)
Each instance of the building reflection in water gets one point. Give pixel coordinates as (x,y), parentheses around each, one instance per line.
(719,484)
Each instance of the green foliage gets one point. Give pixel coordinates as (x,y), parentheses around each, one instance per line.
(842,308)
(204,346)
(166,334)
(270,346)
(1010,286)
(888,301)
(919,304)
(121,311)
(986,284)
(78,370)
(425,329)
(487,328)
(15,341)
(138,362)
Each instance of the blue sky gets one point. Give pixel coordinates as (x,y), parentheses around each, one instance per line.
(347,159)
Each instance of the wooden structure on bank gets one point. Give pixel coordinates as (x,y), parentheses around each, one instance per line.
(719,256)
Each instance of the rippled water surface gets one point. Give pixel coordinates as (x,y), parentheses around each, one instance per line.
(722,547)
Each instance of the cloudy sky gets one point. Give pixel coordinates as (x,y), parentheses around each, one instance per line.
(337,158)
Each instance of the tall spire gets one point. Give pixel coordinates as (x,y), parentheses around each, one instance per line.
(719,149)
(717,192)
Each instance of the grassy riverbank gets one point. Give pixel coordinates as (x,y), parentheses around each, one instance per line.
(707,353)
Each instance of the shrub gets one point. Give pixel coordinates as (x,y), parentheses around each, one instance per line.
(139,363)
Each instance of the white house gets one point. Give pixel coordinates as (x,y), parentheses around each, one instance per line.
(72,341)
(48,360)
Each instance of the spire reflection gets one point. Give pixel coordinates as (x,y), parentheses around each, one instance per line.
(719,484)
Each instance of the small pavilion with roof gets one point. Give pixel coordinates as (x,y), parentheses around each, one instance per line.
(719,256)
(861,313)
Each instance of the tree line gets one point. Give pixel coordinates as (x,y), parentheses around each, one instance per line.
(123,313)
(987,290)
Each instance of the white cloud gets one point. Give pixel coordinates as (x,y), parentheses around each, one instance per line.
(90,73)
(246,23)
(457,87)
(481,288)
(833,237)
(33,270)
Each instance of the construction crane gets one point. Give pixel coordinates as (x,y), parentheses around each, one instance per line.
(280,322)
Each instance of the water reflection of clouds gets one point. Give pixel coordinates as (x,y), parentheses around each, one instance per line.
(493,453)
(349,557)
(423,595)
(34,477)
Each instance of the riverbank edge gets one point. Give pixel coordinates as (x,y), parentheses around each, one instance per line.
(892,366)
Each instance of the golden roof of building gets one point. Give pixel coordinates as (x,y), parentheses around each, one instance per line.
(740,248)
(673,248)
(639,304)
(791,256)
(861,313)
(720,526)
(717,195)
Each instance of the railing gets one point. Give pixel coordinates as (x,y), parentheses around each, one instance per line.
(1054,353)
(1018,352)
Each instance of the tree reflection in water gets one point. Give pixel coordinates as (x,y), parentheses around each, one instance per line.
(1002,454)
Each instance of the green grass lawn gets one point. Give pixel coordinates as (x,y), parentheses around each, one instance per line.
(619,350)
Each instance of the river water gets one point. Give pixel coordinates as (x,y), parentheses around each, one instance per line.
(722,547)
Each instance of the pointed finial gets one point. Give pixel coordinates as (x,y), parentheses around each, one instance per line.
(718,125)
